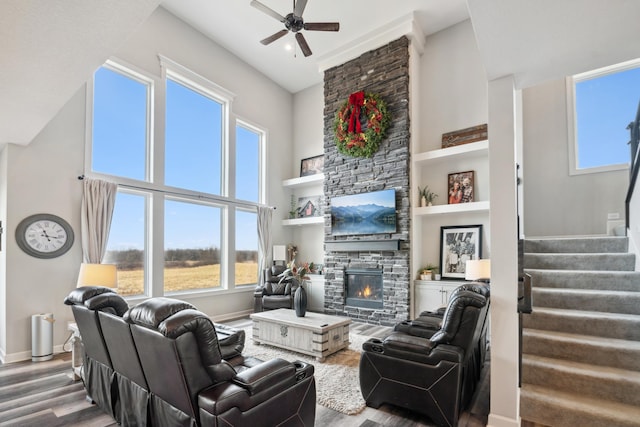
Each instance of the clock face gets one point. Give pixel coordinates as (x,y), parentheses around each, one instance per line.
(44,236)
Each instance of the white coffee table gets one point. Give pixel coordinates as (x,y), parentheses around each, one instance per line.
(315,334)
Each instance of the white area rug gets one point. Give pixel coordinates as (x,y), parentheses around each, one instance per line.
(337,378)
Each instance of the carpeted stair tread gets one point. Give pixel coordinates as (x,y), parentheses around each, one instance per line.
(623,354)
(581,261)
(587,300)
(603,382)
(611,325)
(562,409)
(580,279)
(581,245)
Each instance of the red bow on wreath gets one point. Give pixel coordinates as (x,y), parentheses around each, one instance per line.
(356,100)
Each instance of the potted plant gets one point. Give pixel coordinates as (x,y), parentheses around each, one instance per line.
(426,196)
(426,272)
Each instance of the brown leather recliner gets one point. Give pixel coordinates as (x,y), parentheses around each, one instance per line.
(434,376)
(274,293)
(191,384)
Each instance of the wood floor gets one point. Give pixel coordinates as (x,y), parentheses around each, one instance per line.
(43,394)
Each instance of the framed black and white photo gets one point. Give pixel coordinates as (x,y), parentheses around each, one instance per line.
(309,206)
(312,165)
(459,244)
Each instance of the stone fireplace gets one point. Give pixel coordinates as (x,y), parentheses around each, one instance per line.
(385,72)
(364,288)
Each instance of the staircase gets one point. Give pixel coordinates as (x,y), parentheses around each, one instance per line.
(581,343)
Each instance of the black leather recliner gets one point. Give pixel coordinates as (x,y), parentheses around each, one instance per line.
(274,293)
(97,369)
(192,385)
(436,375)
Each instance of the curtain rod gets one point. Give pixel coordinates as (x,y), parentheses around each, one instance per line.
(81,177)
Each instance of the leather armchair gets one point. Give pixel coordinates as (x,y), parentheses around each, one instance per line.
(434,376)
(191,384)
(274,293)
(97,370)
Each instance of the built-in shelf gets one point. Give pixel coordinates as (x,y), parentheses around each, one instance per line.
(304,221)
(482,206)
(473,149)
(303,181)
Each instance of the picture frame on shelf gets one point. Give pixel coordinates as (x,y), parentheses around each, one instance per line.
(465,136)
(312,165)
(309,206)
(460,187)
(459,244)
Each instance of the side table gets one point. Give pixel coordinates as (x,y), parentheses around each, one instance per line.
(77,353)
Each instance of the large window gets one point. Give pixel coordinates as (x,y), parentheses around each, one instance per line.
(177,195)
(601,105)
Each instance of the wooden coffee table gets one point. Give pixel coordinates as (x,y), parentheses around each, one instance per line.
(315,334)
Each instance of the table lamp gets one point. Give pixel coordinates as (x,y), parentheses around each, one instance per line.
(478,270)
(98,275)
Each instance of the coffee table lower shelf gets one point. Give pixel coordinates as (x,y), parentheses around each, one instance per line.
(316,334)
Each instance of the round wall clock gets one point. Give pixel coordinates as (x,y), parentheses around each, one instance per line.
(44,236)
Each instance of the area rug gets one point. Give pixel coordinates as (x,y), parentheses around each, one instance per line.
(337,378)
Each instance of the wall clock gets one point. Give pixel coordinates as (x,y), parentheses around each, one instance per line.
(44,236)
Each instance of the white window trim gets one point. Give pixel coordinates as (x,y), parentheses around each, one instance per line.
(572,142)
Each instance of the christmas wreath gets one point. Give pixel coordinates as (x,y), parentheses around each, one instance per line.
(356,137)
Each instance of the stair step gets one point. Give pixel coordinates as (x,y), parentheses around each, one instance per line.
(587,299)
(602,382)
(577,245)
(611,352)
(621,326)
(562,409)
(581,261)
(578,279)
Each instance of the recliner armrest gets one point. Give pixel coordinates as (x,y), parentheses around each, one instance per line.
(266,375)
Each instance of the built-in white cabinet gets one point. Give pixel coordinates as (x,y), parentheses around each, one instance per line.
(304,182)
(432,294)
(315,293)
(432,168)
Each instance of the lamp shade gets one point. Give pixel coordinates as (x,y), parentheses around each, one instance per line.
(478,269)
(98,275)
(279,253)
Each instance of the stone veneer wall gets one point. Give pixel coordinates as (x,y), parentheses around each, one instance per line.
(384,71)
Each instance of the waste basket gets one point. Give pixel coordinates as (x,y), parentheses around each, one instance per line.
(42,337)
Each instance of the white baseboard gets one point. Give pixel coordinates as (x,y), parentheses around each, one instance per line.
(500,421)
(231,316)
(25,355)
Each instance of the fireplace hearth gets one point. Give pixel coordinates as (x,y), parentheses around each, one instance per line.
(364,288)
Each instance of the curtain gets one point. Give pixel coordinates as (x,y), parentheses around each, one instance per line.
(264,240)
(98,201)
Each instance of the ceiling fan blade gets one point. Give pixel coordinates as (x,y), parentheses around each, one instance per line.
(298,10)
(274,37)
(322,26)
(267,10)
(303,44)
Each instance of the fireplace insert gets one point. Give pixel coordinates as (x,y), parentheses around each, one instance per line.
(364,288)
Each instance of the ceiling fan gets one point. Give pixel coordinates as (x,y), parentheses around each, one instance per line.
(293,22)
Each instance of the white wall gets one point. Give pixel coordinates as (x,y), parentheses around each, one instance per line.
(3,253)
(556,203)
(42,177)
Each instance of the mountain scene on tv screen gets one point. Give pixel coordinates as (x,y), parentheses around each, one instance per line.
(363,219)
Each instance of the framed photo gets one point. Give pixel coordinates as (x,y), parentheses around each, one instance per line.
(309,206)
(460,187)
(312,165)
(459,244)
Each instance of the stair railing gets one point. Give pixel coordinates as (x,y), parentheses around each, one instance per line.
(634,144)
(524,307)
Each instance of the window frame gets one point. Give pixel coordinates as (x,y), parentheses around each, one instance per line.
(572,140)
(156,190)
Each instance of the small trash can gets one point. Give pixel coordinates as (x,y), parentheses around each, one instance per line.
(42,337)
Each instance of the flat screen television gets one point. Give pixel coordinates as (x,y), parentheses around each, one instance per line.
(365,213)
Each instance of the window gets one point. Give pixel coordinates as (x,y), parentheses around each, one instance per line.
(176,188)
(127,244)
(601,104)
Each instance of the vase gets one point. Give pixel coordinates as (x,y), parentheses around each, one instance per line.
(300,301)
(423,202)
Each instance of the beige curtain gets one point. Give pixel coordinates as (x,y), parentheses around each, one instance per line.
(264,240)
(98,201)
